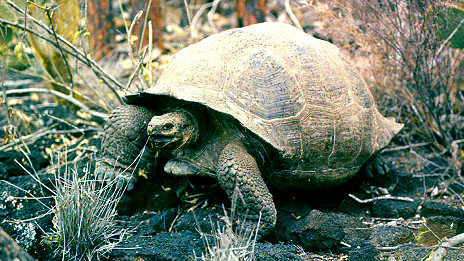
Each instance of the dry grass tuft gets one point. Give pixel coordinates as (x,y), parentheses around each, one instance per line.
(233,240)
(84,210)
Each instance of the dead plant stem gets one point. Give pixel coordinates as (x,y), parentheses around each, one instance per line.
(61,52)
(390,197)
(73,50)
(441,251)
(61,95)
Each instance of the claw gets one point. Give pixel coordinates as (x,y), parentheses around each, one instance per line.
(180,168)
(125,180)
(122,177)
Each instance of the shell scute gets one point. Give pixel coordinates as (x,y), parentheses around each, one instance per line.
(294,91)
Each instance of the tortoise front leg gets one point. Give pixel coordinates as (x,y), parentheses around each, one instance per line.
(239,170)
(124,136)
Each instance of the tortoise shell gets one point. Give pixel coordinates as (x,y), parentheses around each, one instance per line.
(294,91)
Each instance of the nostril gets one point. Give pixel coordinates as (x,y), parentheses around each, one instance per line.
(168,126)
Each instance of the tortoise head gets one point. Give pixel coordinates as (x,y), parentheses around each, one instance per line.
(173,130)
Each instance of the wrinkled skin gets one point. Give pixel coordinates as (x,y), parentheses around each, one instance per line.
(208,145)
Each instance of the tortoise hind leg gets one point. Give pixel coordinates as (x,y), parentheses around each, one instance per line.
(124,136)
(239,170)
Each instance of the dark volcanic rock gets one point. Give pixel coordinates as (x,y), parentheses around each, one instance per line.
(392,235)
(204,219)
(277,252)
(362,250)
(10,159)
(162,221)
(353,208)
(13,206)
(10,250)
(323,230)
(285,222)
(3,170)
(317,230)
(177,246)
(386,208)
(434,208)
(287,215)
(181,246)
(353,228)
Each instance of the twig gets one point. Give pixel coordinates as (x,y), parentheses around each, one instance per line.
(440,253)
(61,52)
(450,36)
(406,147)
(292,15)
(198,14)
(22,83)
(144,25)
(16,83)
(188,18)
(136,71)
(73,50)
(11,128)
(150,46)
(364,201)
(211,13)
(61,95)
(65,122)
(457,195)
(4,95)
(131,54)
(39,134)
(75,53)
(388,248)
(426,160)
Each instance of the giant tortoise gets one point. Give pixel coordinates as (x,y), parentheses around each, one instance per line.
(264,105)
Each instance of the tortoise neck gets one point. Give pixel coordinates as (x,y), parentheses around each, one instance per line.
(197,121)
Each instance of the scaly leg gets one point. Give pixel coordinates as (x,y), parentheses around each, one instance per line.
(238,169)
(124,136)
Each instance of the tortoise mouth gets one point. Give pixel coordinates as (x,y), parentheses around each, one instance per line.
(159,141)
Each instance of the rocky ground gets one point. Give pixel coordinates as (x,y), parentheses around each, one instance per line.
(400,214)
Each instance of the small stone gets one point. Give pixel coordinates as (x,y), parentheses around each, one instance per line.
(394,208)
(3,171)
(434,208)
(162,221)
(353,228)
(317,230)
(362,250)
(392,235)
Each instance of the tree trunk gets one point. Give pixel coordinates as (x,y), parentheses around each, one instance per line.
(100,25)
(154,15)
(251,11)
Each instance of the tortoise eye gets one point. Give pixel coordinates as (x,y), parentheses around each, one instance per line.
(168,126)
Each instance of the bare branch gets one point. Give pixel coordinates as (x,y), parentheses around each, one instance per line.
(290,13)
(61,95)
(440,253)
(364,201)
(71,49)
